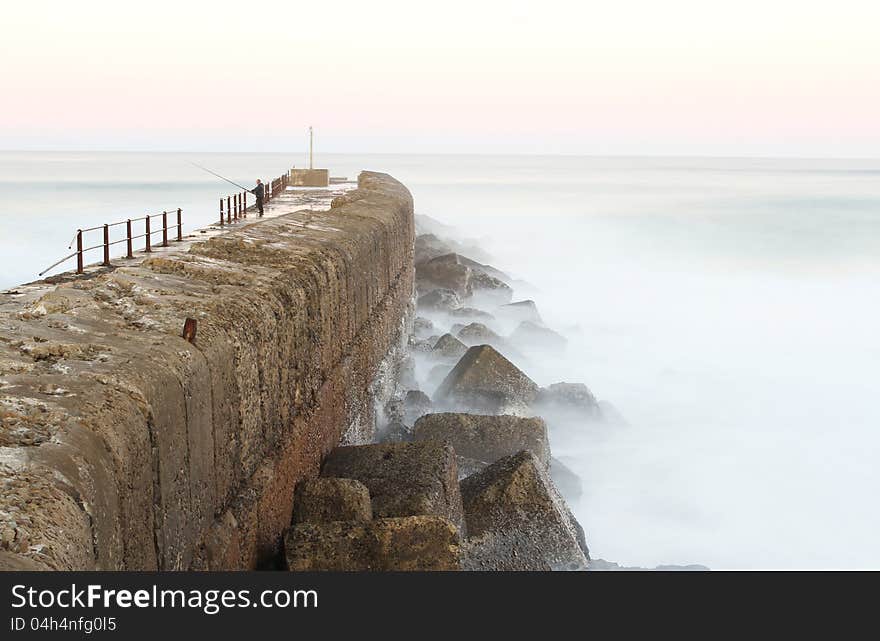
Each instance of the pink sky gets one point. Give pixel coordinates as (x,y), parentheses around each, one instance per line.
(679,77)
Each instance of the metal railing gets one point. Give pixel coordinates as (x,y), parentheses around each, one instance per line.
(234,207)
(128,240)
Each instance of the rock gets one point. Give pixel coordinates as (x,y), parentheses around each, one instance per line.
(534,336)
(523,310)
(412,543)
(491,289)
(395,432)
(463,276)
(444,272)
(495,554)
(488,270)
(486,438)
(601,565)
(569,398)
(468,466)
(517,520)
(487,382)
(429,246)
(331,499)
(479,334)
(422,327)
(438,373)
(393,410)
(448,346)
(439,300)
(404,479)
(427,225)
(567,482)
(443,241)
(471,313)
(422,345)
(611,415)
(415,405)
(579,531)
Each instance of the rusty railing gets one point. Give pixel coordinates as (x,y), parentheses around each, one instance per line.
(234,207)
(129,239)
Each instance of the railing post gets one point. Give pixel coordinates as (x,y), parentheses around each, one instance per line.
(128,238)
(147,247)
(164,229)
(235,207)
(79,251)
(106,262)
(221,212)
(244,197)
(179,224)
(228,210)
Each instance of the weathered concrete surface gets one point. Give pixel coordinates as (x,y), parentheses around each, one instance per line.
(410,543)
(123,446)
(486,438)
(323,500)
(484,380)
(310,177)
(404,479)
(517,520)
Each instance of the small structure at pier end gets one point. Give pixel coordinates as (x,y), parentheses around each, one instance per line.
(310,177)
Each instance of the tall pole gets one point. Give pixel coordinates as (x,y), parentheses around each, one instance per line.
(311,149)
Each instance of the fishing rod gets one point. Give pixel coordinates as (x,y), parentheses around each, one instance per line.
(231,182)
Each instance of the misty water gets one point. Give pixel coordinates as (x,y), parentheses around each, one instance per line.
(727,308)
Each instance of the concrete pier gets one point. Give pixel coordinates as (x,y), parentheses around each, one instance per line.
(124,446)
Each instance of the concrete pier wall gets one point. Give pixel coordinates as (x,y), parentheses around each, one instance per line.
(124,446)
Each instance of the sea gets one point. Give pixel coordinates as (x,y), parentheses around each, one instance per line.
(727,307)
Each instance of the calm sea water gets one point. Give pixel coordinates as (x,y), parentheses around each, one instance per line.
(728,308)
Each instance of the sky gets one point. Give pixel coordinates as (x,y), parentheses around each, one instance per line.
(680,77)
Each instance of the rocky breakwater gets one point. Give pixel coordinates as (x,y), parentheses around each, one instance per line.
(462,476)
(124,446)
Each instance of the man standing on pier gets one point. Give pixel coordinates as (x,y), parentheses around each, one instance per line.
(258,192)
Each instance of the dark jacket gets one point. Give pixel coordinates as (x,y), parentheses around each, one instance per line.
(258,191)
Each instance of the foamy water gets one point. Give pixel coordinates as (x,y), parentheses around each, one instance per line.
(727,308)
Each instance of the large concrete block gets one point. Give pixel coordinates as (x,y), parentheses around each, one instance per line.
(484,381)
(486,438)
(413,543)
(404,479)
(518,521)
(327,499)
